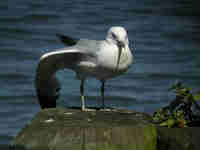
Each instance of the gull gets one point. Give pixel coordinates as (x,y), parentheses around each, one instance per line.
(101,59)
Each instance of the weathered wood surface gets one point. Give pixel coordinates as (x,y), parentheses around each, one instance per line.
(71,129)
(63,129)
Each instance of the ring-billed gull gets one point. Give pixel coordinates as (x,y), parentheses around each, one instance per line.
(103,59)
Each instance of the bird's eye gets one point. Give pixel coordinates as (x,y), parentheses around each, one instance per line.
(114,36)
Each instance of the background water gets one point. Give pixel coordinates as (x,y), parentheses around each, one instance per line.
(164,37)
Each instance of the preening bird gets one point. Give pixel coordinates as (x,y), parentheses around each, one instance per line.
(103,60)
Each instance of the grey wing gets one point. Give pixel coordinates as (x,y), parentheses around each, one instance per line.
(90,47)
(46,83)
(56,60)
(83,53)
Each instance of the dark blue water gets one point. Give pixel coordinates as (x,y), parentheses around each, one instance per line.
(164,37)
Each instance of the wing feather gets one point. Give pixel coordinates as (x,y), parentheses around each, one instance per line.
(51,62)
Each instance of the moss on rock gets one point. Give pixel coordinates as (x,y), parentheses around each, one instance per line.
(61,129)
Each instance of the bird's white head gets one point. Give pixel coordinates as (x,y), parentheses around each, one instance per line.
(117,35)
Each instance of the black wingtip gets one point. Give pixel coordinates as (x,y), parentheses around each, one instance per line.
(67,40)
(47,102)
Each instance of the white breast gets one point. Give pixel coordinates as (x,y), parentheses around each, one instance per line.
(107,56)
(126,59)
